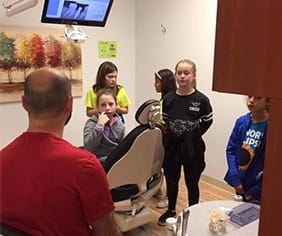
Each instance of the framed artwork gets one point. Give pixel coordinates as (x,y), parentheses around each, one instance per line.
(24,49)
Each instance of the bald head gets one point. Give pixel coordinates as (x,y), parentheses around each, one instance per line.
(46,91)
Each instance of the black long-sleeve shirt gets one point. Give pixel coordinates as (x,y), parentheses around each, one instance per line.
(187,113)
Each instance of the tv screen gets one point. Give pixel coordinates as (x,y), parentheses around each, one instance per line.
(76,12)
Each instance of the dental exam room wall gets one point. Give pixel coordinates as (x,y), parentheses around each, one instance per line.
(120,27)
(168,31)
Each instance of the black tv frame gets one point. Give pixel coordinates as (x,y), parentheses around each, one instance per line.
(67,21)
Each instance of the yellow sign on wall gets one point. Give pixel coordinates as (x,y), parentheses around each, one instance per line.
(107,49)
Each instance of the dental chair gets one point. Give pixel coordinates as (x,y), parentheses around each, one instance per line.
(134,168)
(7,230)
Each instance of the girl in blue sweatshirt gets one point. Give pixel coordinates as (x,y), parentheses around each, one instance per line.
(246,150)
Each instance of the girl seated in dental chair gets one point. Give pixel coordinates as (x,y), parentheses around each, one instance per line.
(103,132)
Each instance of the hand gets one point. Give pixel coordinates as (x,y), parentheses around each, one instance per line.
(103,118)
(118,110)
(239,189)
(248,197)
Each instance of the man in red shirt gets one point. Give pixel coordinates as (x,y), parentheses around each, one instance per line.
(48,186)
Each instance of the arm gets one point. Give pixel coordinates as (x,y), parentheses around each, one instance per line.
(232,177)
(122,110)
(92,134)
(95,197)
(255,191)
(90,103)
(91,111)
(123,101)
(206,116)
(106,226)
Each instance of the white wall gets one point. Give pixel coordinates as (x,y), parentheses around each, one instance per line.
(120,27)
(142,50)
(190,33)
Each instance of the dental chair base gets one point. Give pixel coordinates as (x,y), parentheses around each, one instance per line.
(128,222)
(130,214)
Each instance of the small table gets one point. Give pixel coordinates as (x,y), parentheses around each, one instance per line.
(198,222)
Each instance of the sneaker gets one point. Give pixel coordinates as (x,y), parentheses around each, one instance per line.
(162,204)
(163,217)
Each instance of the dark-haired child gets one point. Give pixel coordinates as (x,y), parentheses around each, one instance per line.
(246,150)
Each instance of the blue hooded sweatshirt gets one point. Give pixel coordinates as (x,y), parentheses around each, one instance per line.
(251,183)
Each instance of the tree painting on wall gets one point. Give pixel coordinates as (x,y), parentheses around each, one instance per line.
(23,50)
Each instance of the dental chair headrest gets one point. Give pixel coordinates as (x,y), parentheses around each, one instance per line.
(149,112)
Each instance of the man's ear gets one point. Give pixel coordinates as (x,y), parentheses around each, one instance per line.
(24,103)
(69,103)
(69,109)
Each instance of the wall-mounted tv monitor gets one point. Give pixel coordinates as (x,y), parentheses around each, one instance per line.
(76,12)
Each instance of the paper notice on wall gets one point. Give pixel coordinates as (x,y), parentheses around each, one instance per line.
(107,49)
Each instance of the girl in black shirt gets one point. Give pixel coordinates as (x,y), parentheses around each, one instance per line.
(187,114)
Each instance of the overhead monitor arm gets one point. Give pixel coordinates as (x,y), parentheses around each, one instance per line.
(14,7)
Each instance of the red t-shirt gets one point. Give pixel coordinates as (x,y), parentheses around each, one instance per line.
(49,187)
